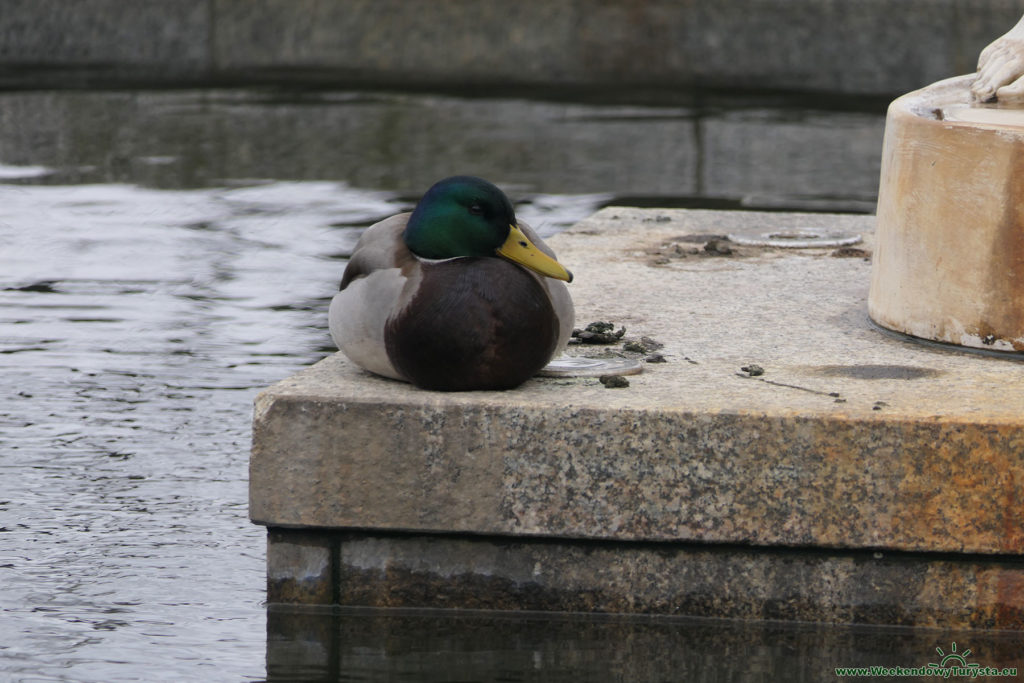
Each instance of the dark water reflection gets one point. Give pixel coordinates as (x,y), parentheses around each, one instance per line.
(693,148)
(165,255)
(381,645)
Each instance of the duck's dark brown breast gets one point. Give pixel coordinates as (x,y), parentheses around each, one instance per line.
(475,323)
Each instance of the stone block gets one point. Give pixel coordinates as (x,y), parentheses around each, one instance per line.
(850,439)
(856,477)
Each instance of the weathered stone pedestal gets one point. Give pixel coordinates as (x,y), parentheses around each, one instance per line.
(860,478)
(949,264)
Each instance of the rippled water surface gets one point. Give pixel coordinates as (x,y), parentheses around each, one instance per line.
(136,326)
(141,309)
(164,256)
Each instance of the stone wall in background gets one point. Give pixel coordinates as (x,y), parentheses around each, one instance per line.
(871,47)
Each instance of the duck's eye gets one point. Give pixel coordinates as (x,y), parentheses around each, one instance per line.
(476,209)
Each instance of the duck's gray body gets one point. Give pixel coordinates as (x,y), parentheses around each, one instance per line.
(451,324)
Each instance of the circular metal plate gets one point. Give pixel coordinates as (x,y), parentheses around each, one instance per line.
(578,366)
(798,238)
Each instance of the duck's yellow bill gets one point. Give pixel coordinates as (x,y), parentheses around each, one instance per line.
(520,249)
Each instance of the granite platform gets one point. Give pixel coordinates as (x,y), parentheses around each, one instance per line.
(787,460)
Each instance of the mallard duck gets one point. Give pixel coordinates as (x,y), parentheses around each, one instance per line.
(455,296)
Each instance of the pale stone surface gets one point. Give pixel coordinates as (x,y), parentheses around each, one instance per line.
(949,263)
(850,439)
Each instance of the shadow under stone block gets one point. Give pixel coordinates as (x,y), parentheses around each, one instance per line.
(487,573)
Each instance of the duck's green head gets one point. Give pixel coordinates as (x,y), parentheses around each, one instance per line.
(467,216)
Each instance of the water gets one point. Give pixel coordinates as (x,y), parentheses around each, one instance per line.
(165,255)
(404,645)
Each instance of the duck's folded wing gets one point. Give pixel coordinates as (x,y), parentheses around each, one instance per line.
(371,290)
(379,247)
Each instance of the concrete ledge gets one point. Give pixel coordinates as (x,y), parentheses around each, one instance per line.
(850,438)
(864,47)
(851,441)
